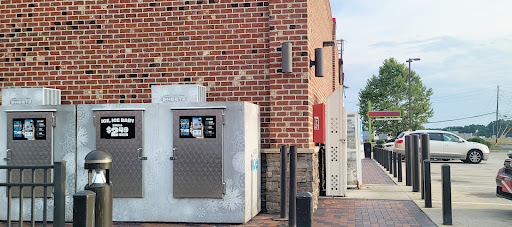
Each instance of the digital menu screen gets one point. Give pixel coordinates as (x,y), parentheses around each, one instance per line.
(197,127)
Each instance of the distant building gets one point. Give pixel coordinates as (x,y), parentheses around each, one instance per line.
(465,136)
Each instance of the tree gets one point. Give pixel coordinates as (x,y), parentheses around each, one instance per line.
(389,92)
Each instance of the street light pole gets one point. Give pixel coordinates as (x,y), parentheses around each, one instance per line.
(409,99)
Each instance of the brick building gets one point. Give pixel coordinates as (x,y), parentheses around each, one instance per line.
(113,51)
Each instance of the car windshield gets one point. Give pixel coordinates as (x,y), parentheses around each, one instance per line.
(400,136)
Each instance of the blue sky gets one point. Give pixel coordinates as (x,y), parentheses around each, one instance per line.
(465,49)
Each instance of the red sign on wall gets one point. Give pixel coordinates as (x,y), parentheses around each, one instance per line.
(319,123)
(384,114)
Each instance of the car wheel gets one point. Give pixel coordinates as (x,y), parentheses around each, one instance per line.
(474,156)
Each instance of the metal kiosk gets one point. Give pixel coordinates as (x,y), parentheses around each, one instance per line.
(177,161)
(36,130)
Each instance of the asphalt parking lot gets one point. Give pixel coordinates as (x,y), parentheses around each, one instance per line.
(474,200)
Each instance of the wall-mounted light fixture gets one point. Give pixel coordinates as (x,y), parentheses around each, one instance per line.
(318,62)
(286,57)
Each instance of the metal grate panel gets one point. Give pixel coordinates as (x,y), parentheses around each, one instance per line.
(126,172)
(30,152)
(197,166)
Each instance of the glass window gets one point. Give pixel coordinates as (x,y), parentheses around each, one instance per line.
(451,138)
(436,136)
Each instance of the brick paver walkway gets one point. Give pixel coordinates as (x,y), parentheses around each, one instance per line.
(332,212)
(373,174)
(338,211)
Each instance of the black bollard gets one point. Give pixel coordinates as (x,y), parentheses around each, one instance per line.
(284,162)
(428,186)
(293,187)
(367,150)
(387,159)
(415,163)
(447,194)
(395,174)
(425,155)
(381,157)
(408,160)
(375,155)
(399,167)
(304,209)
(83,208)
(390,161)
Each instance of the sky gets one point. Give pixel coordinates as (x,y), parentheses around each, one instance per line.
(465,49)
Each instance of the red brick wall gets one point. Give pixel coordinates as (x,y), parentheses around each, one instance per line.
(321,28)
(288,91)
(112,51)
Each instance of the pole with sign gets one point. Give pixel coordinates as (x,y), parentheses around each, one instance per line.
(369,121)
(382,116)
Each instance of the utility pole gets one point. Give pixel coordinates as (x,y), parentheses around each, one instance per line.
(497,102)
(409,99)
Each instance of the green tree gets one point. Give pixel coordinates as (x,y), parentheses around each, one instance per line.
(389,92)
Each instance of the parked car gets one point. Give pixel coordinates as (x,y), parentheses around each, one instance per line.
(504,179)
(446,145)
(389,146)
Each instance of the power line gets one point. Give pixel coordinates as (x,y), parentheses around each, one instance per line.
(473,92)
(457,100)
(462,118)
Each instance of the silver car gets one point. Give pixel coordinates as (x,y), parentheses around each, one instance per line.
(446,145)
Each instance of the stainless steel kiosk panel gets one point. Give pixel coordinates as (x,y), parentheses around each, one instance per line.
(120,133)
(29,142)
(197,168)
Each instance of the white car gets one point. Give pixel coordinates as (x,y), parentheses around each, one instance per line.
(446,145)
(389,146)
